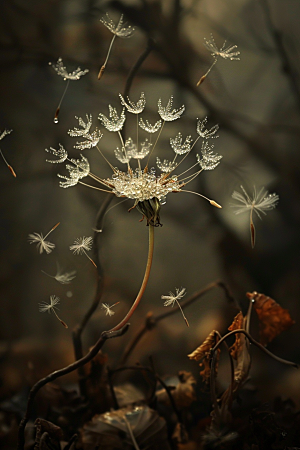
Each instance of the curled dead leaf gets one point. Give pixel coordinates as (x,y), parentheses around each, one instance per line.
(203,352)
(237,324)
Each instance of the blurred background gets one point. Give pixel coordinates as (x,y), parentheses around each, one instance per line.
(256,102)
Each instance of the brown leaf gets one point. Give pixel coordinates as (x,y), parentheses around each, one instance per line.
(203,351)
(48,435)
(273,318)
(110,430)
(237,324)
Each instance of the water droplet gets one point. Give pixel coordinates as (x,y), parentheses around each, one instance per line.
(55,120)
(163,200)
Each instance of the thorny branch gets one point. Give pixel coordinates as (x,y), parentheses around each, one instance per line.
(151,321)
(64,371)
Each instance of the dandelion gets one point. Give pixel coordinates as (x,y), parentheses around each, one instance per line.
(4,133)
(147,187)
(117,30)
(82,245)
(225,53)
(171,299)
(61,70)
(108,308)
(40,240)
(51,307)
(62,277)
(259,203)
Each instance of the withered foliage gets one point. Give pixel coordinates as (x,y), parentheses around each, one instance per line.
(273,318)
(204,352)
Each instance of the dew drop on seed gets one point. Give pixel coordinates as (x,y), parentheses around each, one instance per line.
(55,120)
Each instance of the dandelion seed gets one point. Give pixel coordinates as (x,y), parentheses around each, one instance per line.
(61,154)
(209,160)
(118,30)
(51,307)
(4,133)
(167,113)
(61,70)
(179,147)
(172,298)
(148,127)
(165,165)
(204,133)
(82,245)
(92,138)
(259,203)
(108,308)
(40,240)
(225,53)
(134,108)
(63,278)
(116,122)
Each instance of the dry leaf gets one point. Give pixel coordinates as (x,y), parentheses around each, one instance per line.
(240,351)
(110,430)
(203,351)
(237,324)
(273,318)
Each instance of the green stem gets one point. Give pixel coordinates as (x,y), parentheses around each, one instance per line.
(144,283)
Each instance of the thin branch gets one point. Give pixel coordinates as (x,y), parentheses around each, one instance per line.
(61,372)
(137,65)
(253,341)
(78,329)
(151,321)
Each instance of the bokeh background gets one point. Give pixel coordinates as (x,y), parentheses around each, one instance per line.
(256,102)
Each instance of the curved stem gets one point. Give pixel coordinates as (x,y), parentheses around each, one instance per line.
(59,373)
(144,283)
(253,341)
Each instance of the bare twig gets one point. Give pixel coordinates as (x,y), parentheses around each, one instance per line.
(78,329)
(151,321)
(260,346)
(64,371)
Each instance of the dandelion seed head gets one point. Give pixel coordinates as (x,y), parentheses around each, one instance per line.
(119,30)
(179,147)
(259,202)
(61,154)
(4,133)
(148,127)
(51,306)
(208,159)
(81,244)
(172,298)
(61,70)
(116,122)
(108,309)
(204,133)
(42,244)
(226,53)
(167,113)
(134,108)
